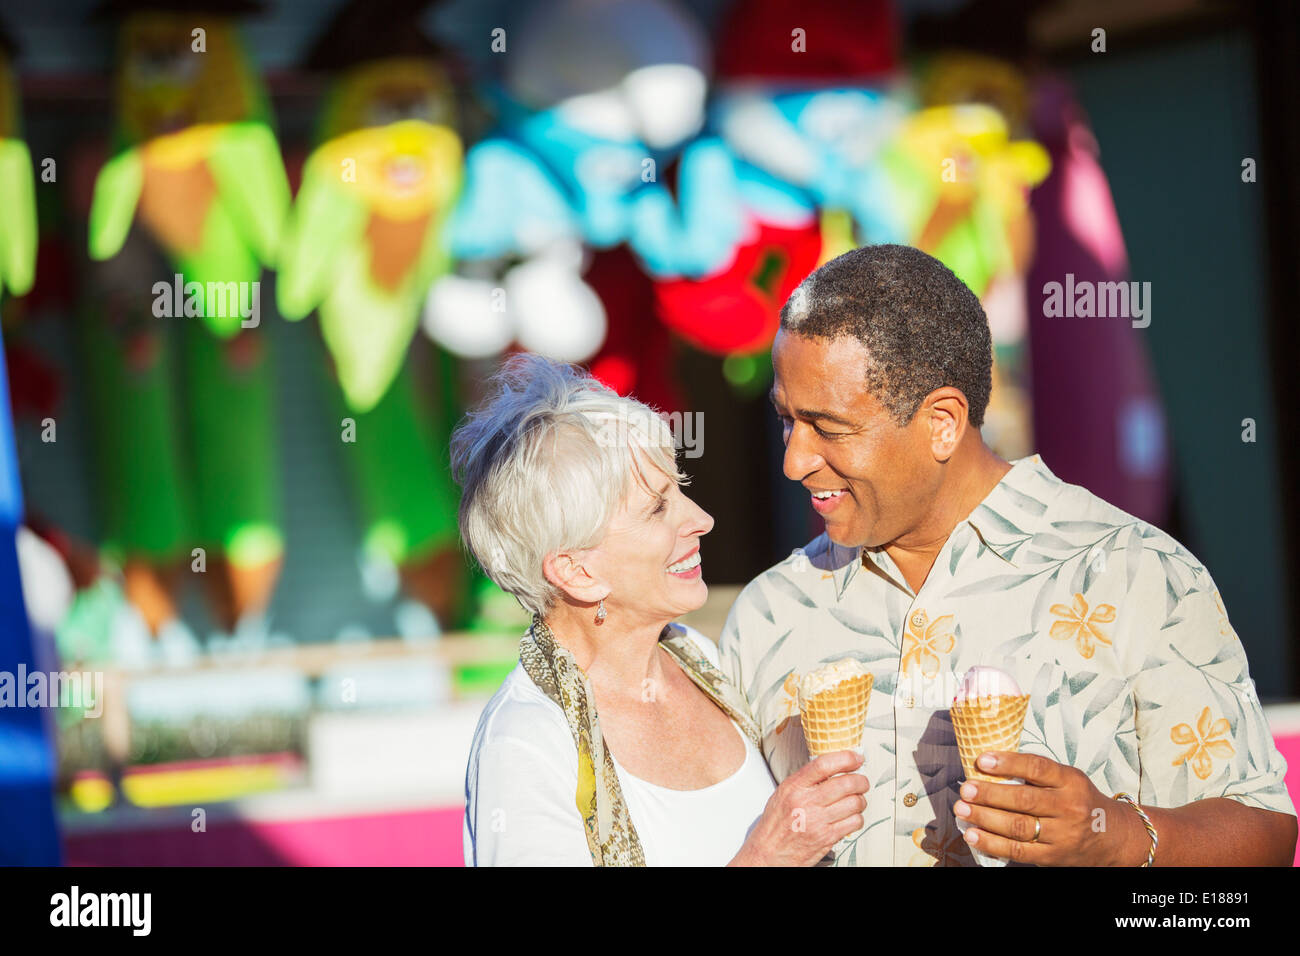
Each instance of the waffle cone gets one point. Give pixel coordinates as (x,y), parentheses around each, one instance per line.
(835,718)
(987,723)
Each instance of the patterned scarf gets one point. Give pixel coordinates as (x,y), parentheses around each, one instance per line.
(610,835)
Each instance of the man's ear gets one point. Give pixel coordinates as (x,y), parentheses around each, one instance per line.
(946,415)
(565,570)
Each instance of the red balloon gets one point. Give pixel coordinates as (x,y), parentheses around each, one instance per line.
(737,311)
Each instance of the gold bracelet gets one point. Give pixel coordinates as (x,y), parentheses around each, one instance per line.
(1146,821)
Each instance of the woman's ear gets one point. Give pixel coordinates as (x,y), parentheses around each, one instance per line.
(565,570)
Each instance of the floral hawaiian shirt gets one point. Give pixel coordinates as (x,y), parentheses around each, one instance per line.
(1114,629)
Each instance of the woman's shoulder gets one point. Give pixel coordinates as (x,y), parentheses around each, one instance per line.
(519,712)
(523,769)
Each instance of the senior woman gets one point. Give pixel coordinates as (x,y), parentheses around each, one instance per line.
(616,741)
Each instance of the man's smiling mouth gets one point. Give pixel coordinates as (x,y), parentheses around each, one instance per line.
(826,501)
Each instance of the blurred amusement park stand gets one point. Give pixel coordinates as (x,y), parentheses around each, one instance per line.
(328,754)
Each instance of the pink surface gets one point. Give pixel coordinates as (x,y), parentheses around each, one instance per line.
(415,838)
(429,837)
(1289,746)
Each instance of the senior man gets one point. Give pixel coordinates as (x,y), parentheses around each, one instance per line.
(1144,742)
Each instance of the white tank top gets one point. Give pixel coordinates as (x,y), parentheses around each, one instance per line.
(704,827)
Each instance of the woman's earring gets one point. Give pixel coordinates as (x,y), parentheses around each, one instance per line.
(600,612)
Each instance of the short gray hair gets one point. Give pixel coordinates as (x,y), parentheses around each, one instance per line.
(544,463)
(922,327)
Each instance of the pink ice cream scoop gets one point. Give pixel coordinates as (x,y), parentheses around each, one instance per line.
(982,681)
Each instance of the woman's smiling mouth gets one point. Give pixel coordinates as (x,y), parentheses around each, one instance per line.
(688,567)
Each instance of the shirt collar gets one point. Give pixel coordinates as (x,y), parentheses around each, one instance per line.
(1010,513)
(1004,520)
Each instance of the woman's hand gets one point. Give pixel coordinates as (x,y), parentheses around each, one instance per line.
(811,811)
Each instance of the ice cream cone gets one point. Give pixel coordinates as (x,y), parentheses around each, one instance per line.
(987,723)
(833,718)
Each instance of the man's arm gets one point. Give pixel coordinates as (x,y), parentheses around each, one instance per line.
(1215,832)
(1203,736)
(729,648)
(1205,750)
(1078,825)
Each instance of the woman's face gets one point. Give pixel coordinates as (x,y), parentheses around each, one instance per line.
(650,557)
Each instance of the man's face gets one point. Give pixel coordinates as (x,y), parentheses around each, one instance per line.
(882,478)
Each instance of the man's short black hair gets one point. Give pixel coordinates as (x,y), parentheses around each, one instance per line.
(922,326)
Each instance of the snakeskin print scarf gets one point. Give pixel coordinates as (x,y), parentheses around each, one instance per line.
(611,837)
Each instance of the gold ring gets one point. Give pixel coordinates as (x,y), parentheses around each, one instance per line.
(1038,830)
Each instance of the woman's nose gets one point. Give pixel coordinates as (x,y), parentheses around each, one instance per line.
(701,522)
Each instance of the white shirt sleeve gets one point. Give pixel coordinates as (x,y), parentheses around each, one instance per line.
(521,808)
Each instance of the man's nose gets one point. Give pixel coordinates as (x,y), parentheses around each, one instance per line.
(800,459)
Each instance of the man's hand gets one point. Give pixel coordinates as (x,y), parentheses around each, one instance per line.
(1079,825)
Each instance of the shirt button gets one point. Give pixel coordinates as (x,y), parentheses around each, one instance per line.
(909,800)
(909,702)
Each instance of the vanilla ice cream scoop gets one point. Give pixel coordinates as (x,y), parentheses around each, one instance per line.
(833,706)
(982,681)
(830,675)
